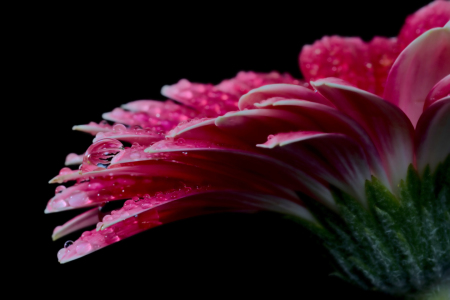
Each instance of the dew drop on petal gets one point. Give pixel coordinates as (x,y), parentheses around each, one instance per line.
(68,244)
(59,189)
(65,171)
(61,253)
(83,248)
(270,137)
(119,128)
(60,203)
(78,199)
(107,218)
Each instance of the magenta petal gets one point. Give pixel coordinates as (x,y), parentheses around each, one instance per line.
(387,126)
(130,135)
(439,91)
(88,218)
(383,53)
(333,121)
(435,14)
(74,159)
(93,128)
(417,69)
(246,81)
(205,98)
(432,140)
(335,158)
(253,126)
(286,91)
(199,204)
(345,58)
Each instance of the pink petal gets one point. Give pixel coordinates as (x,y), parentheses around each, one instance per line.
(333,121)
(143,120)
(345,58)
(74,159)
(174,210)
(93,128)
(335,158)
(88,218)
(435,14)
(418,68)
(283,91)
(130,135)
(253,126)
(246,81)
(205,98)
(432,139)
(383,53)
(269,170)
(439,91)
(387,126)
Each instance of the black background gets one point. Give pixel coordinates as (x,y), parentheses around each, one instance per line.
(83,61)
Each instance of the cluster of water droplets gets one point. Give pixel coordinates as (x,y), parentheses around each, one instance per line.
(122,130)
(163,121)
(138,205)
(246,81)
(93,240)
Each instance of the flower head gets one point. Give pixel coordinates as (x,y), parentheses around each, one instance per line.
(355,145)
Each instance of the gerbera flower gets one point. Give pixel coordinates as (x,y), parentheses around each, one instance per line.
(369,175)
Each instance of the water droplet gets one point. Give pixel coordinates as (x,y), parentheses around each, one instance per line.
(58,204)
(180,141)
(101,153)
(59,189)
(107,218)
(78,199)
(86,233)
(68,244)
(119,128)
(99,135)
(61,253)
(65,171)
(270,137)
(146,205)
(83,248)
(184,153)
(135,155)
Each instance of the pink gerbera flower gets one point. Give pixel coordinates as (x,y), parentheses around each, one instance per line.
(358,153)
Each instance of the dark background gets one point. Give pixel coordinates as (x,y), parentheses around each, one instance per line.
(83,61)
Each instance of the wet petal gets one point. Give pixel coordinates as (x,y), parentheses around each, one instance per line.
(253,126)
(387,126)
(383,53)
(418,68)
(175,210)
(335,158)
(333,121)
(93,128)
(432,140)
(435,14)
(286,91)
(86,219)
(345,58)
(246,81)
(74,159)
(439,91)
(205,98)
